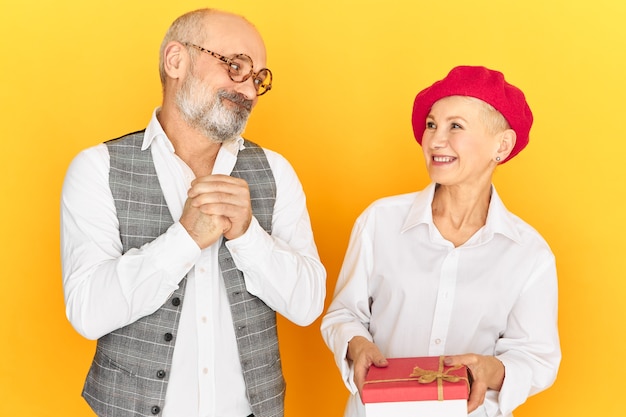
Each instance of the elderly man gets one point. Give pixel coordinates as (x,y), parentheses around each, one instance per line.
(181,241)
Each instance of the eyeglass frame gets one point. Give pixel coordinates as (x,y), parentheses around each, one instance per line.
(229,62)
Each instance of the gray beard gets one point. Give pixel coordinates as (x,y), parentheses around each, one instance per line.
(207,113)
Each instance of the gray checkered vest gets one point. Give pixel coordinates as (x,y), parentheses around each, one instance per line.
(130,370)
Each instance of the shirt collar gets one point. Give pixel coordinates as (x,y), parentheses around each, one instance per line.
(499,219)
(155,131)
(421,211)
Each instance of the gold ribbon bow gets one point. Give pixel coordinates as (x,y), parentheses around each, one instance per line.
(426,376)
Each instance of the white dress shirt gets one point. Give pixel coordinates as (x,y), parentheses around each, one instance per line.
(411,292)
(105,290)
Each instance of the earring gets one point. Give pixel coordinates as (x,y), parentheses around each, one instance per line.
(497,159)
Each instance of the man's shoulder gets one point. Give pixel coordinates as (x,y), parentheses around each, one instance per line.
(129,137)
(248,143)
(276,160)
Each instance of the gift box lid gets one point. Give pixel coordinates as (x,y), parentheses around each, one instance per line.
(415,379)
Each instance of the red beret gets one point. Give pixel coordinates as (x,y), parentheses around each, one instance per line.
(482,83)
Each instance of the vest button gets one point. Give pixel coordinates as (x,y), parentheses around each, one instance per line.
(155,409)
(176,301)
(160,374)
(168,337)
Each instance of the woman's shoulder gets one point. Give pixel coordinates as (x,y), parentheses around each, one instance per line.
(397,201)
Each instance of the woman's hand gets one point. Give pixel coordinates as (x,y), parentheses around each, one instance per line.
(487,373)
(364,354)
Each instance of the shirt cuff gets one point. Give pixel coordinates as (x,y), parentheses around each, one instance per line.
(181,254)
(516,386)
(253,249)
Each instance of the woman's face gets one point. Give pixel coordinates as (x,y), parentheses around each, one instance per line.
(458,147)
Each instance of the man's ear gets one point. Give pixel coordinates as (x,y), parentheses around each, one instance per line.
(507,143)
(175,59)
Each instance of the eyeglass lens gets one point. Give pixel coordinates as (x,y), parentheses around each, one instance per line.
(240,69)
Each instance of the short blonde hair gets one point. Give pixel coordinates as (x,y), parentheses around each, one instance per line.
(494,121)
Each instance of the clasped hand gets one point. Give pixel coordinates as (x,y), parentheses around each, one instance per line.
(487,371)
(216,205)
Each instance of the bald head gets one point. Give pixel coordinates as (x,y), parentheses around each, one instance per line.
(225,32)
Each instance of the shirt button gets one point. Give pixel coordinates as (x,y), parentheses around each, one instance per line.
(205,370)
(204,319)
(155,409)
(168,337)
(437,341)
(175,301)
(160,374)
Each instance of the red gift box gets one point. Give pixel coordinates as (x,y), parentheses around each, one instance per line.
(420,384)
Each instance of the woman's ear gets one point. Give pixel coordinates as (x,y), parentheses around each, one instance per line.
(507,143)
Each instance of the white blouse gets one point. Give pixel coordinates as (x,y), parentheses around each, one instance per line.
(411,292)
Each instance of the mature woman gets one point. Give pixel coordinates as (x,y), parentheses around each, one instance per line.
(449,270)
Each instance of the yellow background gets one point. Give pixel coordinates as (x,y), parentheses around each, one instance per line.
(75,73)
